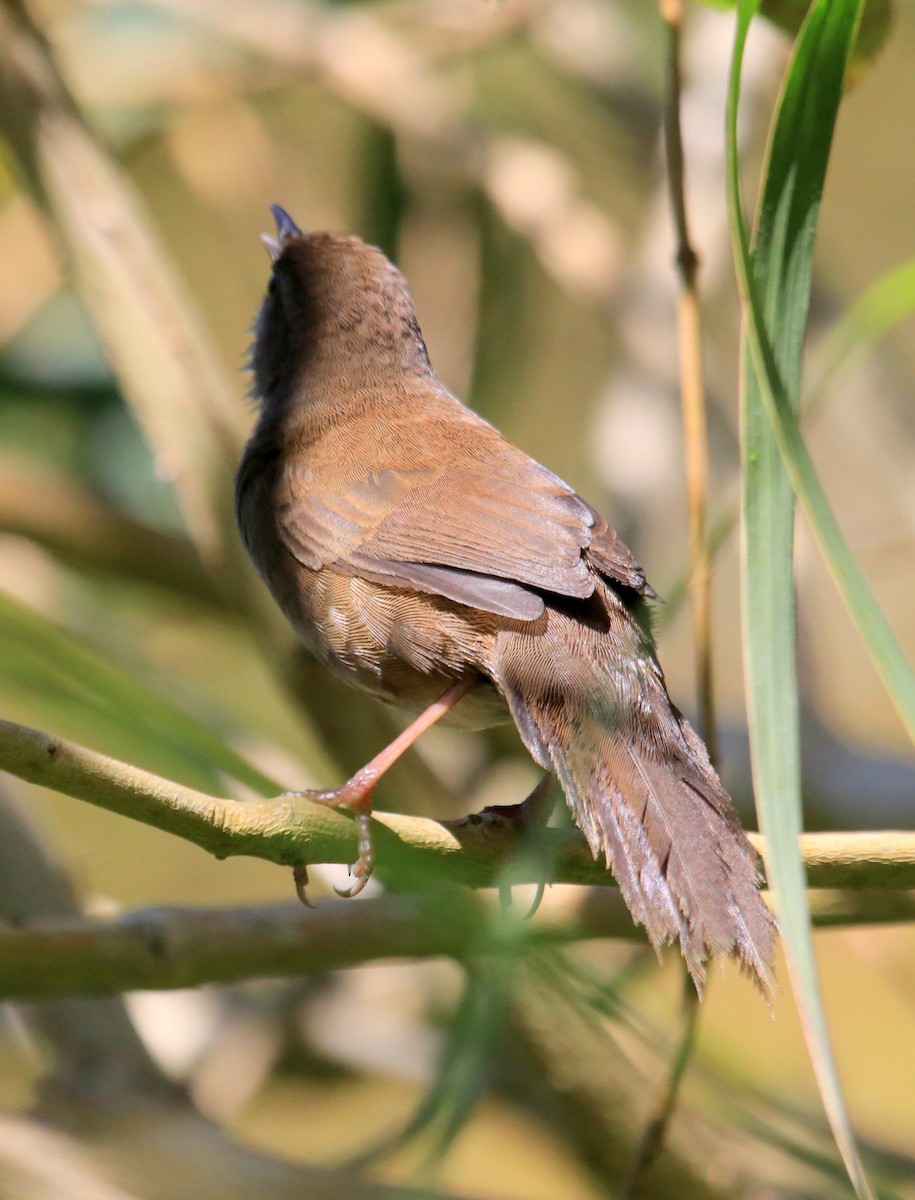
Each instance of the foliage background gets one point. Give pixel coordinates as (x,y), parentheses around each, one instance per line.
(507,157)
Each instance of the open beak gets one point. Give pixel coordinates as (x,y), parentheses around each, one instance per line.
(286,228)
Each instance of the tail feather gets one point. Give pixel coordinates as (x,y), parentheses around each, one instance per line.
(591,704)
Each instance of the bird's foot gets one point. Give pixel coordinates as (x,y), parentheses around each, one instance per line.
(356,795)
(531,814)
(526,818)
(353,797)
(362,868)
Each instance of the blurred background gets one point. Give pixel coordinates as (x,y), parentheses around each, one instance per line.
(507,157)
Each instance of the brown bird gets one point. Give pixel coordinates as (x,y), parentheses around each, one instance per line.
(426,559)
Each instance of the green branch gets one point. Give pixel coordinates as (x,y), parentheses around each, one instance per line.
(163,948)
(168,948)
(293,831)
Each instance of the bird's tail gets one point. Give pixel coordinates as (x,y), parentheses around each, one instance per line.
(590,702)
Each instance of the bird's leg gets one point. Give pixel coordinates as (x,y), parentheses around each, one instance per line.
(355,796)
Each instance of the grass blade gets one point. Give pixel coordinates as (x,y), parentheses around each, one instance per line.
(886,303)
(68,666)
(775,281)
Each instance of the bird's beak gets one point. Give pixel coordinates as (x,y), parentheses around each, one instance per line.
(286,228)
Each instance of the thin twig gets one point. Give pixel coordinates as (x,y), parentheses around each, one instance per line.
(692,383)
(658,1123)
(695,439)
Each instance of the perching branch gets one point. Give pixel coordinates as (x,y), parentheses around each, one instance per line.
(104,1117)
(176,947)
(293,831)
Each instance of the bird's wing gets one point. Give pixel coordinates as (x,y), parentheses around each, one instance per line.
(484,525)
(610,555)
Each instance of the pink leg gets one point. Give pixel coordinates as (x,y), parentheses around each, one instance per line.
(356,795)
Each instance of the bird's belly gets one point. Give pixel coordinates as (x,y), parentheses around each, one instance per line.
(403,647)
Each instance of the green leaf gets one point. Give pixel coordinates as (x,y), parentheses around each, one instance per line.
(775,281)
(874,28)
(776,291)
(471,1048)
(34,648)
(887,302)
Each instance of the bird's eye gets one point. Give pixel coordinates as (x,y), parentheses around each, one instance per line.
(272,286)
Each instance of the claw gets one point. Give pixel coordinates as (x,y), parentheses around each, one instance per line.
(348,893)
(537,900)
(300,879)
(365,864)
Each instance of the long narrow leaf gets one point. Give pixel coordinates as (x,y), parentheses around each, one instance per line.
(66,663)
(887,302)
(777,291)
(775,286)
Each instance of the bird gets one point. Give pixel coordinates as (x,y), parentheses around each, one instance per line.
(426,559)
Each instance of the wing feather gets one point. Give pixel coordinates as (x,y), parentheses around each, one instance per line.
(490,531)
